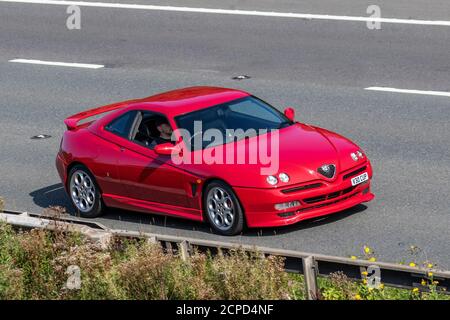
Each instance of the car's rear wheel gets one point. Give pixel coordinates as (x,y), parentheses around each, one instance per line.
(84,192)
(223,209)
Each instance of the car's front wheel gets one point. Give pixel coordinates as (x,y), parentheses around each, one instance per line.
(223,209)
(84,192)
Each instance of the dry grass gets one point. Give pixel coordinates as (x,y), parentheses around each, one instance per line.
(34,264)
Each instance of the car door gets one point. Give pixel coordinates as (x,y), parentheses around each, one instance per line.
(109,149)
(150,177)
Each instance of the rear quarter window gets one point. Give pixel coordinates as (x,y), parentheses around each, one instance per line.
(121,126)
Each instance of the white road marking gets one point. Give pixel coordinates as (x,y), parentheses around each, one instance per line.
(235,12)
(60,64)
(431,93)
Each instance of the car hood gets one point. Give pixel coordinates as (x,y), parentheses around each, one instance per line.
(302,150)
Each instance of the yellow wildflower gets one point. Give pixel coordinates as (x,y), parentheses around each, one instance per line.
(381,286)
(357,297)
(412,264)
(370,289)
(430,265)
(372,259)
(415,290)
(364,281)
(430,274)
(353,257)
(364,273)
(366,249)
(423,282)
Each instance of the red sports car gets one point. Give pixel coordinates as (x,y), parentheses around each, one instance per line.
(207,153)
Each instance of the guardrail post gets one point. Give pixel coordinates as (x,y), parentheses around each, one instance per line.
(184,250)
(309,272)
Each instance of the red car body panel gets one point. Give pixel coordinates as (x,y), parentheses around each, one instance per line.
(133,177)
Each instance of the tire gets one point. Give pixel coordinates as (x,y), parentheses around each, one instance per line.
(222,209)
(84,192)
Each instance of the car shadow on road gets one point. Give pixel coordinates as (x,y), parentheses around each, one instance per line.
(55,195)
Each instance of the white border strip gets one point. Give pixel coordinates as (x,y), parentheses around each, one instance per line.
(59,64)
(424,92)
(234,12)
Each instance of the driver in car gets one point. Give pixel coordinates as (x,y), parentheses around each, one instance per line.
(165,133)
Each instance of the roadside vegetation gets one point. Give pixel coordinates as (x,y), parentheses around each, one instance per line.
(39,264)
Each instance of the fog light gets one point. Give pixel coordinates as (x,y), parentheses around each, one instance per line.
(287,205)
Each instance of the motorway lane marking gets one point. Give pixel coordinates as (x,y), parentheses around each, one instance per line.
(235,12)
(60,64)
(424,92)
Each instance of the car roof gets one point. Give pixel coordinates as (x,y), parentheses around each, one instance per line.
(185,100)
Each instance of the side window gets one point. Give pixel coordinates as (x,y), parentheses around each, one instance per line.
(152,129)
(121,126)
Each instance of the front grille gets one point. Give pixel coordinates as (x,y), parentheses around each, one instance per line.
(302,188)
(355,172)
(334,195)
(315,199)
(328,196)
(286,214)
(350,189)
(327,203)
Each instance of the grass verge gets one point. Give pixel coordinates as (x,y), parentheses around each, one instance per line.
(38,264)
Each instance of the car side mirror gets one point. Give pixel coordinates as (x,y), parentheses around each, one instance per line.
(289,113)
(167,149)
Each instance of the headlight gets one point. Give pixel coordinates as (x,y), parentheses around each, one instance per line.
(283,177)
(272,180)
(357,155)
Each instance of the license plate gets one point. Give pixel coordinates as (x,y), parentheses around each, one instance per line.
(360,179)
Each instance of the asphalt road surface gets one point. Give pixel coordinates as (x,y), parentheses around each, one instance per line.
(319,66)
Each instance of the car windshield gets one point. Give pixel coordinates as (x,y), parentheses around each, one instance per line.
(234,120)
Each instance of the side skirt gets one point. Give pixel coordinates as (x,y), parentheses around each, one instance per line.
(151,207)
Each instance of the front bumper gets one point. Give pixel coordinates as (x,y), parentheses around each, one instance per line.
(328,198)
